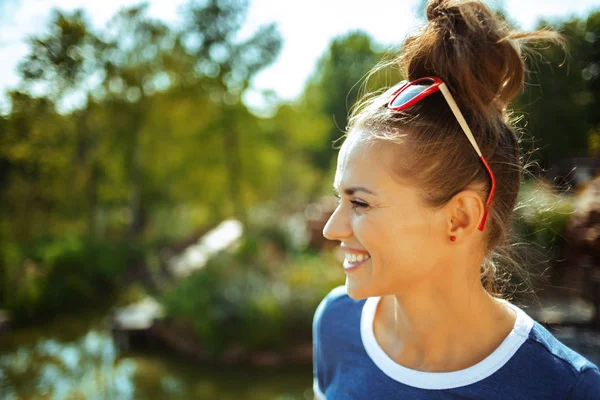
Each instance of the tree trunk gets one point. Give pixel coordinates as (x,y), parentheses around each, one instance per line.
(233,164)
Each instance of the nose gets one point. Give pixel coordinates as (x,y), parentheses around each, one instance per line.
(338,226)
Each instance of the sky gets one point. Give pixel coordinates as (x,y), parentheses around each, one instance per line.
(307,27)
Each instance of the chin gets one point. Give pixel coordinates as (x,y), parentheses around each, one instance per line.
(357,291)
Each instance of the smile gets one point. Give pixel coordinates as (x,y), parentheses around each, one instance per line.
(353,261)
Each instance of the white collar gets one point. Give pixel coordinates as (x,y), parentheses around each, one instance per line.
(442,380)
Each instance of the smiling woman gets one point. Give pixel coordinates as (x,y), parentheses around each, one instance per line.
(427,181)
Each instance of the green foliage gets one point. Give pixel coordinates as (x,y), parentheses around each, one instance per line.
(193,300)
(270,299)
(63,274)
(542,214)
(335,88)
(310,277)
(161,145)
(561,101)
(61,58)
(162,115)
(591,62)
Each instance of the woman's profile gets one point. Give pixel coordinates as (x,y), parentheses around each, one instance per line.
(428,178)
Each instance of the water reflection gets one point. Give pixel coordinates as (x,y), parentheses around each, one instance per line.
(89,367)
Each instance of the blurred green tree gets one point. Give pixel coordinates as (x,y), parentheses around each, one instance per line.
(561,100)
(35,143)
(210,37)
(137,57)
(335,87)
(61,66)
(338,78)
(591,74)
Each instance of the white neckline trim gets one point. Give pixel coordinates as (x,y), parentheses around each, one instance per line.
(442,380)
(317,391)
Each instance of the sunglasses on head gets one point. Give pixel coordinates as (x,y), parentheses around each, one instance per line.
(410,93)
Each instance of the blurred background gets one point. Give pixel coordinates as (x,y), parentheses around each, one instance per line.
(166,170)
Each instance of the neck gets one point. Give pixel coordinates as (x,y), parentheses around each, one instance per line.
(442,327)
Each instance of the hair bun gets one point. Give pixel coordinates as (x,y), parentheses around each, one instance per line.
(473,50)
(437,10)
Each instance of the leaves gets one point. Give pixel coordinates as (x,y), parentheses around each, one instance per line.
(561,99)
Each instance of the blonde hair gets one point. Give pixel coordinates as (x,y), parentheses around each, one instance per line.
(480,59)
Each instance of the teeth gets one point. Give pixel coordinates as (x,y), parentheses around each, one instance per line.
(354,258)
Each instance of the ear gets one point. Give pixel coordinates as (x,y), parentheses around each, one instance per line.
(465,212)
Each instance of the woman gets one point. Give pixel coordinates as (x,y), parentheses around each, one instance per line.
(428,177)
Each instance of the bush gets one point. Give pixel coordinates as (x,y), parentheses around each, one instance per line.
(256,302)
(542,214)
(64,274)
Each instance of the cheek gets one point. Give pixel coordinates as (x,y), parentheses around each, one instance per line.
(382,237)
(366,229)
(398,244)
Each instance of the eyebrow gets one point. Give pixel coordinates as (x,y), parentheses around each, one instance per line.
(353,189)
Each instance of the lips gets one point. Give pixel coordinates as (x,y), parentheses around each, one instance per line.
(354,258)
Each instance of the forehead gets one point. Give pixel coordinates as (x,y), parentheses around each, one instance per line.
(362,162)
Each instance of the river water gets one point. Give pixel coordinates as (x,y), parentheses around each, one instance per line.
(76,358)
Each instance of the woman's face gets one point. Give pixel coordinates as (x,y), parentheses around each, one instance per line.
(380,221)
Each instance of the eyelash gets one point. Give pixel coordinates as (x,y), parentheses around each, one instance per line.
(355,204)
(358,204)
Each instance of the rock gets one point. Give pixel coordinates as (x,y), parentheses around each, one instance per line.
(138,316)
(225,235)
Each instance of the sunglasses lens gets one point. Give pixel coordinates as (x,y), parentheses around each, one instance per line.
(411,92)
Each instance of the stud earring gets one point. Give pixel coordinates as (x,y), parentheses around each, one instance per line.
(453,238)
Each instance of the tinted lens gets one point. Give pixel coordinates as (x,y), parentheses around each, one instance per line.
(411,92)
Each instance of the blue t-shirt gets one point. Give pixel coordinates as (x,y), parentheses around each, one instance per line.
(529,364)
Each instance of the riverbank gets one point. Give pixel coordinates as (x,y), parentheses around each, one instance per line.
(76,357)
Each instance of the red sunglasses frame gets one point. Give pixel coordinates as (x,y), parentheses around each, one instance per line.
(439,85)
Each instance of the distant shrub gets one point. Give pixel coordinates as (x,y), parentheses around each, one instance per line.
(248,298)
(64,274)
(542,214)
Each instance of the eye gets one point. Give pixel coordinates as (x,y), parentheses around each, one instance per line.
(355,203)
(358,204)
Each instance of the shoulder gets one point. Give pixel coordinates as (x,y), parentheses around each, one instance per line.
(587,385)
(332,300)
(582,376)
(336,334)
(337,308)
(337,316)
(552,348)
